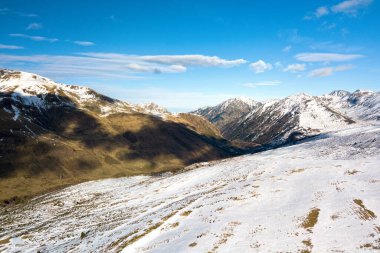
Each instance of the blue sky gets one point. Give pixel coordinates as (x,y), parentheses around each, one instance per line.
(187,54)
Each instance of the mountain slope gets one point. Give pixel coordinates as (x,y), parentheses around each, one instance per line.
(295,117)
(227,112)
(54,134)
(271,201)
(359,105)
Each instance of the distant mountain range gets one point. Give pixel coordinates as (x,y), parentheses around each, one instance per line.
(295,117)
(53,134)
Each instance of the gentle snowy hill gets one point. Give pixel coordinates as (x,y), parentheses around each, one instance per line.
(295,117)
(318,196)
(53,134)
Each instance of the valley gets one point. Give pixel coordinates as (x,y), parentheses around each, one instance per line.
(318,196)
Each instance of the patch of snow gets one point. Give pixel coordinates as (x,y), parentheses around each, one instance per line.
(16,112)
(321,195)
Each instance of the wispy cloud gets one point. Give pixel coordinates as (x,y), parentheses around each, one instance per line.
(260,66)
(34,38)
(286,49)
(195,60)
(84,43)
(109,65)
(323,72)
(262,83)
(321,11)
(2,46)
(326,57)
(297,67)
(350,6)
(27,15)
(34,26)
(4,11)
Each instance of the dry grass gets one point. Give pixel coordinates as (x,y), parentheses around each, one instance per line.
(351,172)
(5,241)
(173,225)
(296,171)
(311,219)
(186,213)
(363,212)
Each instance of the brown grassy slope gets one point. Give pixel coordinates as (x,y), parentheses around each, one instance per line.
(70,145)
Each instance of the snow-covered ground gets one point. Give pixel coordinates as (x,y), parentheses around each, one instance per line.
(322,196)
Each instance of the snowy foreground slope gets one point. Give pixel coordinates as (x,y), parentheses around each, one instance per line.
(319,196)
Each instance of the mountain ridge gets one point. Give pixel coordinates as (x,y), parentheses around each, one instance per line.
(294,117)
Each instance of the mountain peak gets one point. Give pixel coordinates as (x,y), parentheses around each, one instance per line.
(238,101)
(339,93)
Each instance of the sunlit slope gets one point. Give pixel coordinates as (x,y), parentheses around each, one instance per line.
(321,196)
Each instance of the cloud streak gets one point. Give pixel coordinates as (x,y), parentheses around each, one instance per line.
(326,57)
(323,72)
(2,46)
(350,6)
(297,67)
(84,43)
(109,65)
(34,38)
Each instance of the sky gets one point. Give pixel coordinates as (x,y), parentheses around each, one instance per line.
(189,54)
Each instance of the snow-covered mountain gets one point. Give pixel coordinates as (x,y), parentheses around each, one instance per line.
(359,105)
(53,134)
(318,196)
(294,117)
(42,93)
(227,112)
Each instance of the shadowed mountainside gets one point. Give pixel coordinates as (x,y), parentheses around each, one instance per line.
(61,142)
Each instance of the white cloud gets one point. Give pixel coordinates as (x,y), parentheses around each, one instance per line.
(34,26)
(350,6)
(84,43)
(35,38)
(321,11)
(260,66)
(297,67)
(286,49)
(262,83)
(108,65)
(326,57)
(323,72)
(2,46)
(147,68)
(196,60)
